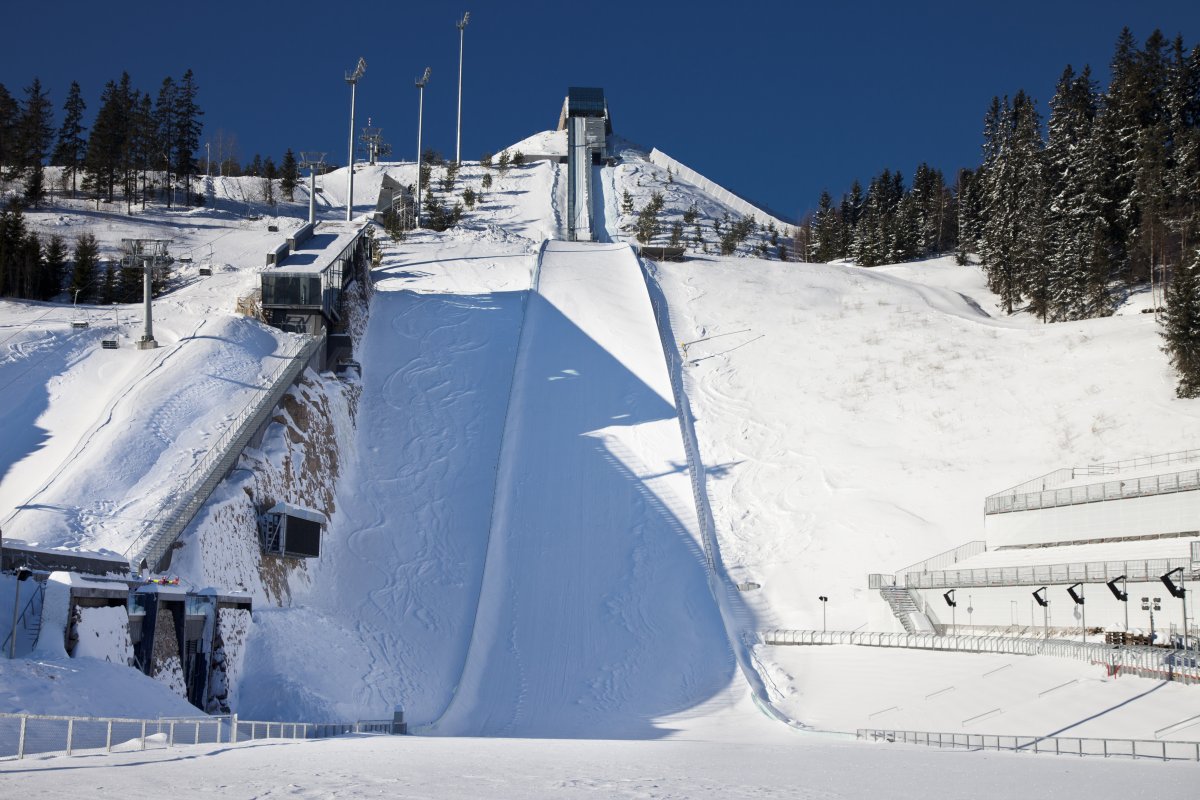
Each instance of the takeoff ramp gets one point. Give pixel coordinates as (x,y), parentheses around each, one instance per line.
(595,617)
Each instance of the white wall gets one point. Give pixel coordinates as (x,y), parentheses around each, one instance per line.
(1135,516)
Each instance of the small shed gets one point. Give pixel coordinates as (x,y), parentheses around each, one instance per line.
(292,531)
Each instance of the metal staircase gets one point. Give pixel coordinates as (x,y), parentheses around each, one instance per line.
(151,550)
(905,608)
(29,625)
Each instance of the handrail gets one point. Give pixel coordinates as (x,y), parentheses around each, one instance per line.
(1035,574)
(1064,474)
(1059,745)
(39,594)
(951,556)
(187,498)
(1027,497)
(1158,662)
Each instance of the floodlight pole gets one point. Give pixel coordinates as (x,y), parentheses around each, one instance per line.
(824,600)
(352,79)
(420,84)
(1179,591)
(462,27)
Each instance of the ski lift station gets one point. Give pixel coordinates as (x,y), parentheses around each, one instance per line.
(306,275)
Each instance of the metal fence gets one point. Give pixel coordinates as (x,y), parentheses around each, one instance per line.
(24,735)
(1094,492)
(1064,474)
(1058,745)
(1033,575)
(194,489)
(1150,662)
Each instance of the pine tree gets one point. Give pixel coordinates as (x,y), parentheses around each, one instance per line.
(825,230)
(12,247)
(166,106)
(268,178)
(186,138)
(105,144)
(1013,241)
(1182,103)
(1078,261)
(83,274)
(289,175)
(35,132)
(142,140)
(1181,328)
(54,265)
(71,147)
(648,225)
(9,114)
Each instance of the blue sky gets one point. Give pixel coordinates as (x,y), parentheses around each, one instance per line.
(776,100)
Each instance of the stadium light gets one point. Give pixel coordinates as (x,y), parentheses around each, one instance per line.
(420,84)
(1078,598)
(823,600)
(1180,592)
(462,27)
(1040,596)
(1121,594)
(1151,607)
(352,79)
(950,601)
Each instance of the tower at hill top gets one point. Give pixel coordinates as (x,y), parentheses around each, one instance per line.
(585,118)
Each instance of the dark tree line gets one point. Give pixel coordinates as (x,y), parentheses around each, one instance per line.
(1063,213)
(134,139)
(888,223)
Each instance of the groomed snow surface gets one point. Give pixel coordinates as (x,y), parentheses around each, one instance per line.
(515,552)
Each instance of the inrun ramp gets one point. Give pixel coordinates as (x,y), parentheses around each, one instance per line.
(595,617)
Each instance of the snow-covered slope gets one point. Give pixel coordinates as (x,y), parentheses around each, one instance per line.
(850,421)
(595,617)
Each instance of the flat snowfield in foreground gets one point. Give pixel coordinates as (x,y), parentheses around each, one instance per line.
(798,767)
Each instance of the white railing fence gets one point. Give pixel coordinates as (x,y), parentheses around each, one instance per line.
(24,735)
(1152,662)
(1058,745)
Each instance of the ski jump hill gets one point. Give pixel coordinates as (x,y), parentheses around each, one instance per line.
(594,615)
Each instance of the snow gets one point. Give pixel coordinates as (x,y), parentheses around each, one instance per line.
(104,634)
(594,618)
(697,767)
(514,548)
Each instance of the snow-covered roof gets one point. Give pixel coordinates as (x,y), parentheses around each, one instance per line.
(296,511)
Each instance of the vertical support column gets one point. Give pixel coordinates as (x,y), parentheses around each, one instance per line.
(147,341)
(312,195)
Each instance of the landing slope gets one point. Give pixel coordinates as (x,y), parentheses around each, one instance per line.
(595,617)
